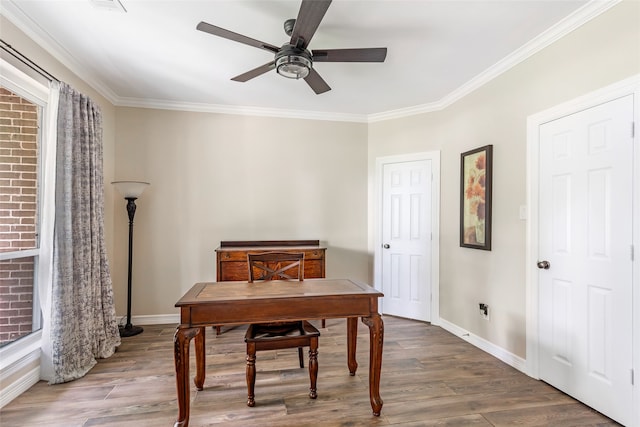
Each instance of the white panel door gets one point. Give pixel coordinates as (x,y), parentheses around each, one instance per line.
(406,239)
(585,299)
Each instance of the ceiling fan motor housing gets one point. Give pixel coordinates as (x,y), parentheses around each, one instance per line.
(288,26)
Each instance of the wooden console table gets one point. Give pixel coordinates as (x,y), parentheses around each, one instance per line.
(207,304)
(231,257)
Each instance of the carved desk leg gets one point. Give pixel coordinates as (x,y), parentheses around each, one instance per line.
(352,339)
(181,341)
(376,333)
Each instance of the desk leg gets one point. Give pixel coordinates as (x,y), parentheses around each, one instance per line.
(352,339)
(181,341)
(376,333)
(199,348)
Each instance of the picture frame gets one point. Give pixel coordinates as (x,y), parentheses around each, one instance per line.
(476,179)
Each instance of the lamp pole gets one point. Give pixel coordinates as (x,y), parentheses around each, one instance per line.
(129,330)
(131,190)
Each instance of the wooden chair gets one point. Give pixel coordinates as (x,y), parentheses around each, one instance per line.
(279,335)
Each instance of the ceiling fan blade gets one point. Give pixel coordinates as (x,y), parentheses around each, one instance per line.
(255,72)
(309,17)
(316,82)
(230,35)
(374,54)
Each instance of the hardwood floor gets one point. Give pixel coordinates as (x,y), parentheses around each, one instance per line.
(429,378)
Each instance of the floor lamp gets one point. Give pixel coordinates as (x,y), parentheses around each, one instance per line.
(131,190)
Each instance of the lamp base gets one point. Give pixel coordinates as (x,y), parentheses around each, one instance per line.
(130,330)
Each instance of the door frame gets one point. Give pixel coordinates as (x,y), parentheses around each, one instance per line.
(434,157)
(630,86)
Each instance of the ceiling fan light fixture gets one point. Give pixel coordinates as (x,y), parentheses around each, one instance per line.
(293,66)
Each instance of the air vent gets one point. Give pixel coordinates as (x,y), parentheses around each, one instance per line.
(114,5)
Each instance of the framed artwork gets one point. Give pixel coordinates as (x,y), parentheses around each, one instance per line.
(476,168)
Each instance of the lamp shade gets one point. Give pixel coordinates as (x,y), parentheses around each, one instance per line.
(130,189)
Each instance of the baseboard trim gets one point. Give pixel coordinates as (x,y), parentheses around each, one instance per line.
(156,319)
(22,384)
(498,352)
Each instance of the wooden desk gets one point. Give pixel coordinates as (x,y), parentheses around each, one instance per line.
(229,303)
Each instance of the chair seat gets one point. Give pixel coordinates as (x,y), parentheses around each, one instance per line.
(283,331)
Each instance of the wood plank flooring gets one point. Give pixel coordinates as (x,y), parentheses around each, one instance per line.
(429,378)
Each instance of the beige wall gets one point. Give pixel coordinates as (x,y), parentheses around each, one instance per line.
(227,177)
(601,52)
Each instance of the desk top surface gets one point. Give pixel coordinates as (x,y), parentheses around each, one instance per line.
(268,245)
(269,248)
(212,292)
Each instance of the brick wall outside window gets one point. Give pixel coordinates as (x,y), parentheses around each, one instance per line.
(18,212)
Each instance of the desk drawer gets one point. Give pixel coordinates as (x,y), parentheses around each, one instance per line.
(241,255)
(231,264)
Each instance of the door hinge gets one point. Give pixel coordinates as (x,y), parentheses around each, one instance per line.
(632,253)
(632,377)
(633,129)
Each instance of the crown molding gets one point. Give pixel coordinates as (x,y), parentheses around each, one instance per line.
(160,104)
(573,21)
(578,18)
(14,14)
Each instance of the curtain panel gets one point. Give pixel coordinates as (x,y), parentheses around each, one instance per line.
(82,320)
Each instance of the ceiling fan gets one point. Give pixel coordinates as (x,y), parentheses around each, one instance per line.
(293,60)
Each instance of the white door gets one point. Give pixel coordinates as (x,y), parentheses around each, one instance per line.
(585,291)
(406,239)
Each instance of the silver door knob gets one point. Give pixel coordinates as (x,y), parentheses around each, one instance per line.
(544,265)
(386,246)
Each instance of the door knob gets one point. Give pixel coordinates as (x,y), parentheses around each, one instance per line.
(544,265)
(386,246)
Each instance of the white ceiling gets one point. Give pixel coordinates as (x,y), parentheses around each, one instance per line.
(152,54)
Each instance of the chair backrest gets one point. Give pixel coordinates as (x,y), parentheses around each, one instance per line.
(276,266)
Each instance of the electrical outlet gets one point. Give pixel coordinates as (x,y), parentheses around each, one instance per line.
(484,310)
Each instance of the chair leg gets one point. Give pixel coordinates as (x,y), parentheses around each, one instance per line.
(313,367)
(300,357)
(218,330)
(251,374)
(324,323)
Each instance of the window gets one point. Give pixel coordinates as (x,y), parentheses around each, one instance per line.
(23,104)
